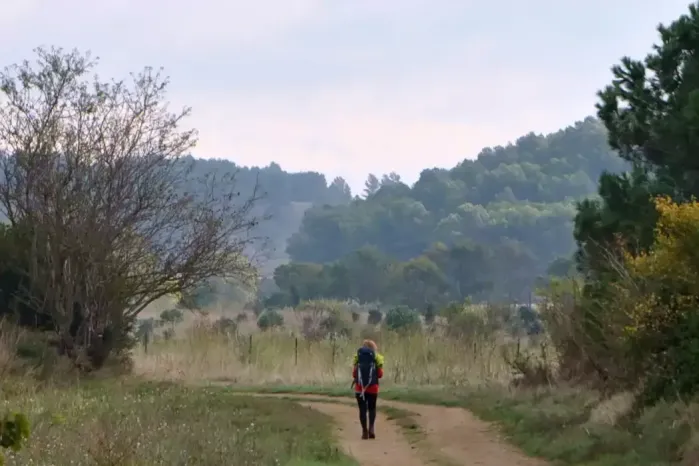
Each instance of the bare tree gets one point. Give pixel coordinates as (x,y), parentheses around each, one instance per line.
(96,174)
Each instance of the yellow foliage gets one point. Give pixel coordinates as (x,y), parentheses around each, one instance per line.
(674,256)
(670,268)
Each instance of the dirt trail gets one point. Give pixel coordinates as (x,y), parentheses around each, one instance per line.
(389,449)
(456,434)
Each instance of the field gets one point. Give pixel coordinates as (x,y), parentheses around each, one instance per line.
(197,399)
(131,421)
(570,425)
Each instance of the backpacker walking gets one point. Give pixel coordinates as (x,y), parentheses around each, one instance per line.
(367,370)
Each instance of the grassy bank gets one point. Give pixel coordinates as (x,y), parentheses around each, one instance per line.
(568,426)
(136,423)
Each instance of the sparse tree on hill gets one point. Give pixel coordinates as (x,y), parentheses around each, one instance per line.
(390,179)
(371,185)
(93,173)
(172,317)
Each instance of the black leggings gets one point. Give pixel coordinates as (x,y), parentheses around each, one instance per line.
(367,405)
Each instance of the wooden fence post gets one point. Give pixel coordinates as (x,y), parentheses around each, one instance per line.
(296,352)
(334,351)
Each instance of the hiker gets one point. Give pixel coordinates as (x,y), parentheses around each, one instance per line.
(367,370)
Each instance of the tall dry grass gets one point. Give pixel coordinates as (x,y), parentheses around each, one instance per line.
(10,337)
(279,357)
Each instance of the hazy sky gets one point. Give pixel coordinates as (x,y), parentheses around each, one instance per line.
(348,87)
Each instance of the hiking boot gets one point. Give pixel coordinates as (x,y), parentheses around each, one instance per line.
(371,433)
(365,435)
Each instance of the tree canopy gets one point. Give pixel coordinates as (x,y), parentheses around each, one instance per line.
(516,201)
(636,241)
(94,188)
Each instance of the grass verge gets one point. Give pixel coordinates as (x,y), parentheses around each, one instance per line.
(137,423)
(561,424)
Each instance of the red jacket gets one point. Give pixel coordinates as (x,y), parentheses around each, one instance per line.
(372,389)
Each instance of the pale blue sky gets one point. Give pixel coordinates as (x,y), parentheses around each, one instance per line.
(348,87)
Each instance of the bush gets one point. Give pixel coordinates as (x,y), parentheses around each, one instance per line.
(172,317)
(168,334)
(467,325)
(466,322)
(226,325)
(637,325)
(430,315)
(565,314)
(14,431)
(402,319)
(325,317)
(270,319)
(375,317)
(334,324)
(527,322)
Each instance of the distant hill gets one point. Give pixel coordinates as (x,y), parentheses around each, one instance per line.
(516,203)
(521,195)
(285,198)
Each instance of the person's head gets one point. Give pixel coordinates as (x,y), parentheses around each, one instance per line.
(370,344)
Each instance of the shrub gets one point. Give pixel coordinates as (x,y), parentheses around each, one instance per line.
(638,324)
(661,289)
(527,322)
(466,322)
(430,315)
(336,325)
(402,319)
(325,317)
(564,314)
(467,325)
(332,324)
(374,317)
(14,431)
(270,319)
(226,325)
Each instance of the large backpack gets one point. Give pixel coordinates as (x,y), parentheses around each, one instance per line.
(366,368)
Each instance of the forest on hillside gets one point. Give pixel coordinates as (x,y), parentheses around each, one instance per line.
(486,229)
(282,198)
